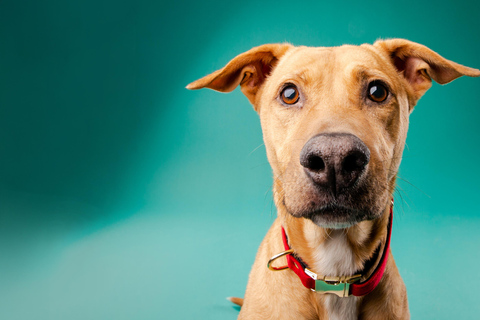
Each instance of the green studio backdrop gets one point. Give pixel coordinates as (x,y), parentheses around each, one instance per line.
(125,196)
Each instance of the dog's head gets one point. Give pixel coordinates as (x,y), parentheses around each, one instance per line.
(335,119)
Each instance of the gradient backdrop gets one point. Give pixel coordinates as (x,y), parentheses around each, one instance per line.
(125,196)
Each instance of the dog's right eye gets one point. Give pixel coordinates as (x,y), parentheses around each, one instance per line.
(290,94)
(377,91)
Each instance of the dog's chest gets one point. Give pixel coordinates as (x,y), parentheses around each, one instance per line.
(334,257)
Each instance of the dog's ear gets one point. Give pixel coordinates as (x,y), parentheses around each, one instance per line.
(249,70)
(419,65)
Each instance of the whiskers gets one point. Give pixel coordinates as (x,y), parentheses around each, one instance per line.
(262,144)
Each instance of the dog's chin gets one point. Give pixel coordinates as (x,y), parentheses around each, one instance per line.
(322,222)
(337,217)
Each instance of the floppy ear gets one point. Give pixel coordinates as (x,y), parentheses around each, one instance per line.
(419,65)
(248,69)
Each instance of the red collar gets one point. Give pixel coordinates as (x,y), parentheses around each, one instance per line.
(342,286)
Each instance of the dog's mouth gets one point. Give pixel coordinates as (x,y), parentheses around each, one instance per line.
(339,211)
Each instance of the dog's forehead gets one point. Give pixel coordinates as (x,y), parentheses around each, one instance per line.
(317,61)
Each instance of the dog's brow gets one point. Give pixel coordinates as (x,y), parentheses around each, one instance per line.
(367,72)
(298,75)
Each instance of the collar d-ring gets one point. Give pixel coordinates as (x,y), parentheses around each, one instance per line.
(275,257)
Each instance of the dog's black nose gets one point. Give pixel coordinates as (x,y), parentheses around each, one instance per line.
(335,161)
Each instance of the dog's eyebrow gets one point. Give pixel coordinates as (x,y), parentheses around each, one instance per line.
(302,75)
(298,75)
(364,72)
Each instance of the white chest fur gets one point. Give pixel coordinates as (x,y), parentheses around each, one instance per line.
(341,308)
(334,257)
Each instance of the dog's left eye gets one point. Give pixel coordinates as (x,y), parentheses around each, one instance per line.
(289,94)
(377,91)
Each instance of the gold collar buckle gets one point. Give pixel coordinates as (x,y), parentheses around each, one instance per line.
(339,286)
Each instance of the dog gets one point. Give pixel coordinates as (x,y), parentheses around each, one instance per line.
(334,123)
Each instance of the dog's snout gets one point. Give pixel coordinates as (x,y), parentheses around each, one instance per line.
(335,161)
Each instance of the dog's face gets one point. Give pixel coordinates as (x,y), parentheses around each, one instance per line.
(335,120)
(333,107)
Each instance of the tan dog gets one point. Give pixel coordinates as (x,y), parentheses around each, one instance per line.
(334,122)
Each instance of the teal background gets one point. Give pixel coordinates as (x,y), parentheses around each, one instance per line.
(125,196)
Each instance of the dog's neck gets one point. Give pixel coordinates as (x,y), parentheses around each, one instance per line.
(338,252)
